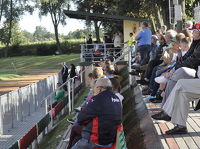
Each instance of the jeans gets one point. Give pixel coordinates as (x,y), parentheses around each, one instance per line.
(150,67)
(152,84)
(144,53)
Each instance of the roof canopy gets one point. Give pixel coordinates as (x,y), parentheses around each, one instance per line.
(99,17)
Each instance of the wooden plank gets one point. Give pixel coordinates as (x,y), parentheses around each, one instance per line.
(161,137)
(169,139)
(179,140)
(194,130)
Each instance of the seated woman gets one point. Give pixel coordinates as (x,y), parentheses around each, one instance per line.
(59,95)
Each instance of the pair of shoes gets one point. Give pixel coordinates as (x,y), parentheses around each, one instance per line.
(177,130)
(161,116)
(71,121)
(146,91)
(78,109)
(149,97)
(142,82)
(157,99)
(134,73)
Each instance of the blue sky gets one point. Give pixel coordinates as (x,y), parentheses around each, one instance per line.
(29,22)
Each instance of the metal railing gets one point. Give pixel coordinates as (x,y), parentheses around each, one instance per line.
(97,52)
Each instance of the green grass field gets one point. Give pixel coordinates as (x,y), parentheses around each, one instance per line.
(6,75)
(38,62)
(8,65)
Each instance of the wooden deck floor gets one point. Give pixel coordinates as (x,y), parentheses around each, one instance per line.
(187,141)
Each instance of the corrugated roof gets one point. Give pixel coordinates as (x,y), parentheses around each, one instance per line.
(99,17)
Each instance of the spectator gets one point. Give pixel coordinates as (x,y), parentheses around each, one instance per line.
(117,43)
(186,68)
(176,107)
(64,72)
(169,35)
(163,29)
(60,93)
(188,25)
(116,88)
(72,70)
(154,47)
(157,61)
(105,121)
(108,72)
(89,41)
(144,39)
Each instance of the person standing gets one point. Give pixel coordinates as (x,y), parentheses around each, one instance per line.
(72,70)
(144,39)
(117,44)
(64,72)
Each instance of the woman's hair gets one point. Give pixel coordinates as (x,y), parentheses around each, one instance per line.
(115,84)
(186,40)
(108,70)
(179,37)
(90,75)
(97,72)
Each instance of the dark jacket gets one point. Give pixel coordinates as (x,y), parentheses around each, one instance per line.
(159,51)
(101,118)
(192,58)
(64,71)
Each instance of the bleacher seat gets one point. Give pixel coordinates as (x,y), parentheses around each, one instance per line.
(26,140)
(120,140)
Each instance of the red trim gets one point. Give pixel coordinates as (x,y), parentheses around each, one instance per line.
(95,126)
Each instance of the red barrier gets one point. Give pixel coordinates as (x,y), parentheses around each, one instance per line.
(26,140)
(58,108)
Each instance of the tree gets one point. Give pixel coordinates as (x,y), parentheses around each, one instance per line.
(11,10)
(95,6)
(17,36)
(41,34)
(54,8)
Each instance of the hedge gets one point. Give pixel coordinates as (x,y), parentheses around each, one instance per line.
(41,49)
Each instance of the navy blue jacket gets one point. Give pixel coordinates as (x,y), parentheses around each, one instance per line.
(101,118)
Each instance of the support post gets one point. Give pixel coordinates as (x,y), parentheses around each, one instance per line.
(1,118)
(129,65)
(73,87)
(69,94)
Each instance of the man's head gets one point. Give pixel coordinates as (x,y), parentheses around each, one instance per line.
(115,85)
(58,85)
(131,34)
(154,39)
(101,85)
(63,63)
(169,35)
(185,44)
(144,25)
(188,24)
(196,31)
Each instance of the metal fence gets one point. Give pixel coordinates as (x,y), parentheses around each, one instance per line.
(15,106)
(97,52)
